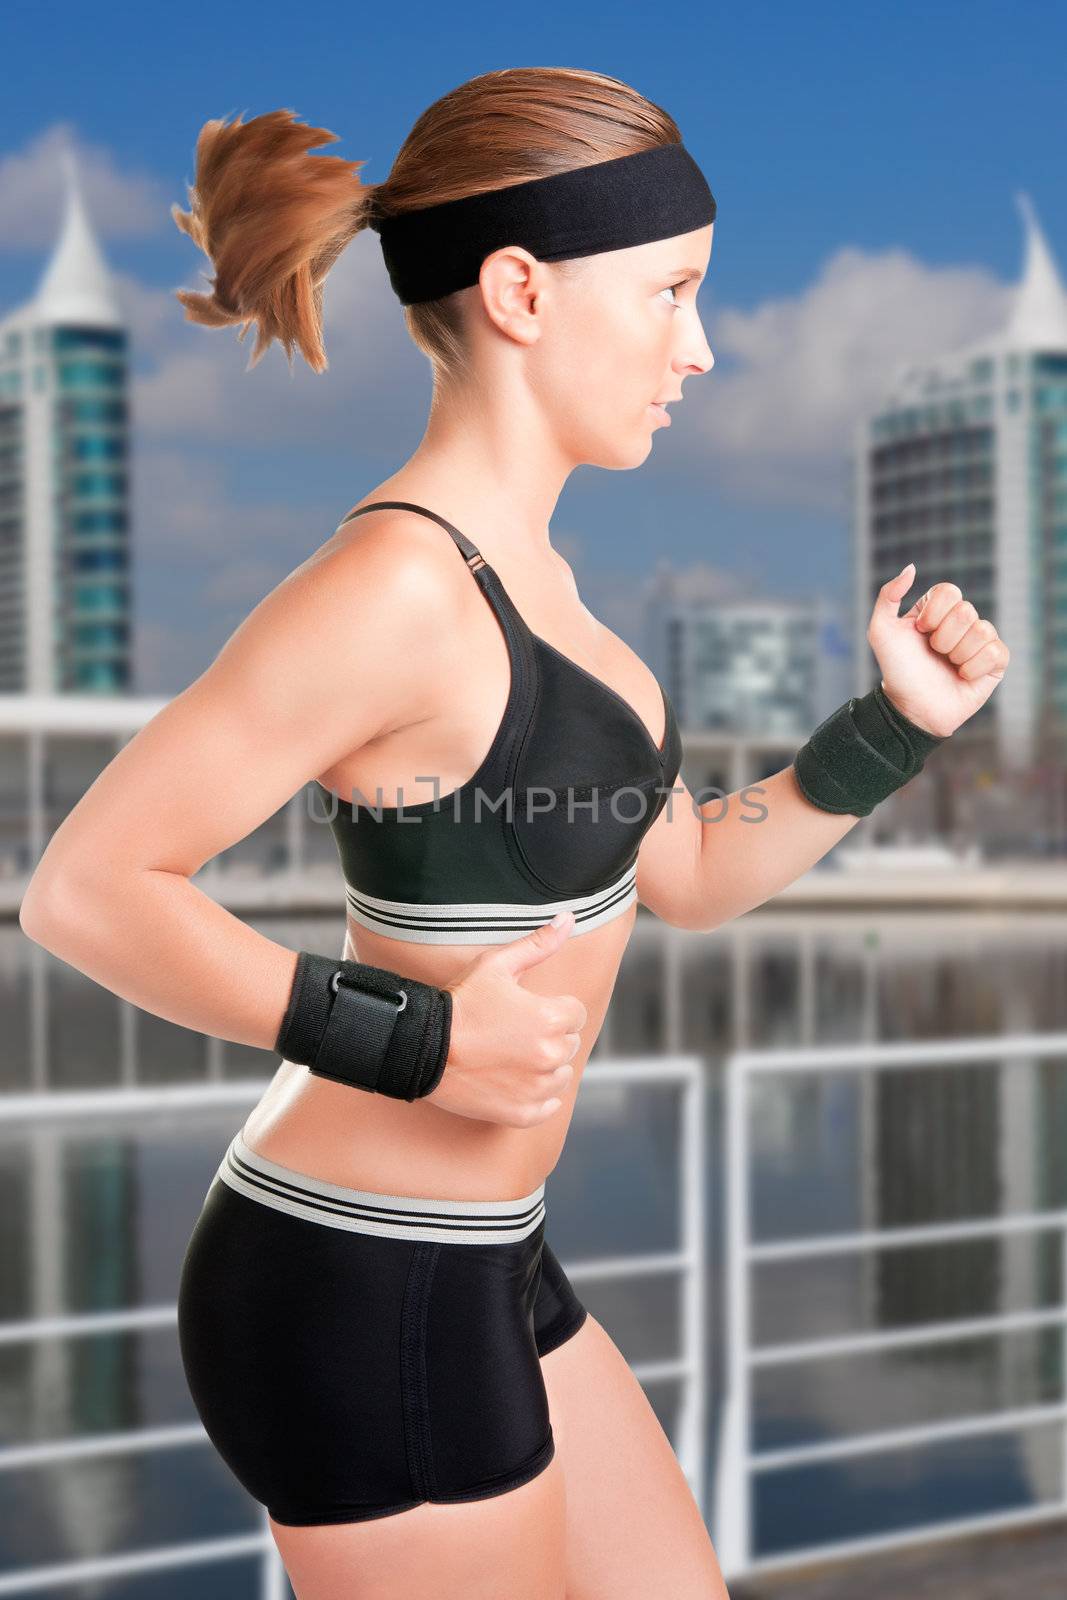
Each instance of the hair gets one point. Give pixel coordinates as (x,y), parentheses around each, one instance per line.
(273,218)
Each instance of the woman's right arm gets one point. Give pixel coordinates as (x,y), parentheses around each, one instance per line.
(318,669)
(325,663)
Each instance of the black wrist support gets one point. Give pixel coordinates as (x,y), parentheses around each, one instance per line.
(860,754)
(366,1026)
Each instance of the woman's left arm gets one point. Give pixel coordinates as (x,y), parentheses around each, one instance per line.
(701,865)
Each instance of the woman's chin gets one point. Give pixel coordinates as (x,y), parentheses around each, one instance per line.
(619,463)
(621,452)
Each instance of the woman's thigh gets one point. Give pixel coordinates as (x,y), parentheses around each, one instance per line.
(511,1545)
(633,1529)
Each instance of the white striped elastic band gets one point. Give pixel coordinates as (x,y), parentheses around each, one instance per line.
(395,1216)
(487,921)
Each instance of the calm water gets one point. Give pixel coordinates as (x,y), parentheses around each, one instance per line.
(97,1213)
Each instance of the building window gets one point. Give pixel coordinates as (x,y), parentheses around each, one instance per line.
(76,338)
(99,560)
(90,374)
(89,522)
(99,597)
(98,675)
(87,410)
(100,635)
(89,484)
(99,447)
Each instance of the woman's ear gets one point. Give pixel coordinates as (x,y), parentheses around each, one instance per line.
(512,284)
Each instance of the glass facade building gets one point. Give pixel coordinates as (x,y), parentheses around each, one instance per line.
(963,470)
(756,667)
(65,601)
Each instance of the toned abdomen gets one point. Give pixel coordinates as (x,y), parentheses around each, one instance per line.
(369,1141)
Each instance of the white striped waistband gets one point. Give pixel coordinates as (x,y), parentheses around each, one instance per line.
(395,1216)
(486,922)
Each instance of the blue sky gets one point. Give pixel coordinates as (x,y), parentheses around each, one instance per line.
(864,159)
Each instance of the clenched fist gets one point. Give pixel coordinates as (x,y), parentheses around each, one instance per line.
(940,661)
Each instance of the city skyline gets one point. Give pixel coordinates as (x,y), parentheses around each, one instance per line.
(880,238)
(815,1186)
(78,284)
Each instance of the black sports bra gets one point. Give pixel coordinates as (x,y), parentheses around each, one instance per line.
(551,820)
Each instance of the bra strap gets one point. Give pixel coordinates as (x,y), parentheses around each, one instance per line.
(471,553)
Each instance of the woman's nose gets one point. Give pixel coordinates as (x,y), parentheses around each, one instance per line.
(703,360)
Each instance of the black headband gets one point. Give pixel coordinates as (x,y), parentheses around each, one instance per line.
(610,205)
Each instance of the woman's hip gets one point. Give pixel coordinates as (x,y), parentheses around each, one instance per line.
(353,1354)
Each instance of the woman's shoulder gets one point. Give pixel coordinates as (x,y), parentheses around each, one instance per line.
(374,592)
(405,555)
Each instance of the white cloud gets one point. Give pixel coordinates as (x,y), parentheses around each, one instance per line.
(198,386)
(242,583)
(32,189)
(771,425)
(776,426)
(148,315)
(204,559)
(771,422)
(166,657)
(185,513)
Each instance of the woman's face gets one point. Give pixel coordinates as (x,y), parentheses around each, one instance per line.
(622,331)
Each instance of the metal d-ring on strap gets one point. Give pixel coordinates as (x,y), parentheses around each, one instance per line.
(369,1027)
(359,1030)
(339,974)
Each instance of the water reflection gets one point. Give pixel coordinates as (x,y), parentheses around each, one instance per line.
(96,1215)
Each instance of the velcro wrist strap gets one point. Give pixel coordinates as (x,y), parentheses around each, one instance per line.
(920,740)
(860,754)
(366,1026)
(355,1042)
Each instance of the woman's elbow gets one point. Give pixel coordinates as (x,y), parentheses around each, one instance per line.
(34,909)
(46,907)
(702,919)
(680,911)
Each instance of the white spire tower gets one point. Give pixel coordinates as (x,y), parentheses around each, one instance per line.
(1039,316)
(76,286)
(960,470)
(64,527)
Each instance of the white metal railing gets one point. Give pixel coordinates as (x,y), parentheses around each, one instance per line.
(687,1072)
(688,1261)
(737,1463)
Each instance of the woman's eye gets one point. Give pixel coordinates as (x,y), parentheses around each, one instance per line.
(671,288)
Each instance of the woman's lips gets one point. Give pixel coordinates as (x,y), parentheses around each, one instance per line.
(661,412)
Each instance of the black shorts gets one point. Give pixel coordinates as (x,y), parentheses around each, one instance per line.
(353,1354)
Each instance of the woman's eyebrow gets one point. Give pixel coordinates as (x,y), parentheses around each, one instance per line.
(690,272)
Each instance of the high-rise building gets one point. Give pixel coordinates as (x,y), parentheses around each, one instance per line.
(963,470)
(747,665)
(65,605)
